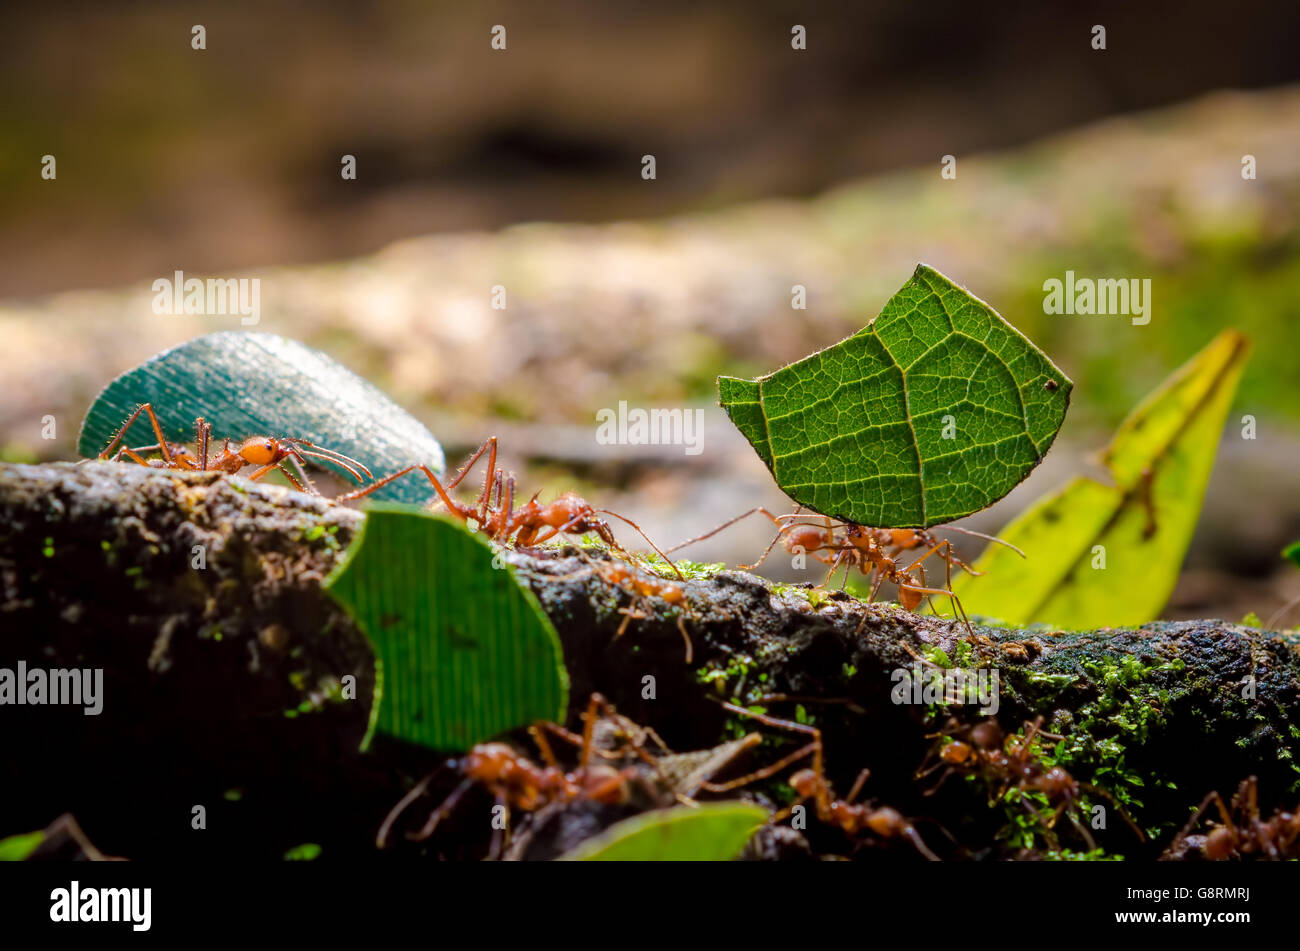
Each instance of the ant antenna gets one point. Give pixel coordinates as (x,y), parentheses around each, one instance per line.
(991,538)
(676,570)
(330,455)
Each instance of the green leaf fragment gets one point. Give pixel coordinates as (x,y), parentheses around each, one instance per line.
(935,410)
(463,651)
(1109,555)
(714,832)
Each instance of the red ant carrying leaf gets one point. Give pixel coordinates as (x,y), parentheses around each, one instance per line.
(874,551)
(266,452)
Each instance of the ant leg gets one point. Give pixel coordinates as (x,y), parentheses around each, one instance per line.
(447,500)
(1082,829)
(909,832)
(132,454)
(816,734)
(686,638)
(764,773)
(857,786)
(157,431)
(271,466)
(637,528)
(440,813)
(298,465)
(729,523)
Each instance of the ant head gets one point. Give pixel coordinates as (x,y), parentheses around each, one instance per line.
(259,450)
(805,783)
(183,457)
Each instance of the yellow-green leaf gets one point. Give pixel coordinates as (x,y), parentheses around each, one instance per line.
(1109,554)
(715,832)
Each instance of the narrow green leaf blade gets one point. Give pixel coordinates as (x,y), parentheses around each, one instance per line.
(253,384)
(1163,453)
(16,848)
(935,410)
(714,832)
(464,649)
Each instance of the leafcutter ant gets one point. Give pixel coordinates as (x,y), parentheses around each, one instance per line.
(1242,832)
(642,585)
(517,783)
(854,819)
(874,551)
(265,452)
(495,514)
(1003,763)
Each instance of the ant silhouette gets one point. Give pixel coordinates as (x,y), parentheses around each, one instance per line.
(495,514)
(266,452)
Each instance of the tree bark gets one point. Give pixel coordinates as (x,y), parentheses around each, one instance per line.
(224,664)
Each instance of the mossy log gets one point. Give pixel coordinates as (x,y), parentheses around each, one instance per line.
(233,681)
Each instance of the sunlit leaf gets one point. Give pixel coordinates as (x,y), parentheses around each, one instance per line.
(465,651)
(1138,527)
(935,410)
(254,384)
(715,832)
(1292,552)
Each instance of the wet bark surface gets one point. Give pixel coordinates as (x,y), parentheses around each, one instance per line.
(229,676)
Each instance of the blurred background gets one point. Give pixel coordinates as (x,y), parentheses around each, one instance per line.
(522,167)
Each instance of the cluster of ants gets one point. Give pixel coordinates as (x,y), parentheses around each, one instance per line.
(982,750)
(1241,832)
(497,514)
(1003,763)
(518,784)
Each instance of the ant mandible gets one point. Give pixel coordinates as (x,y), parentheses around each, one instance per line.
(531,523)
(265,452)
